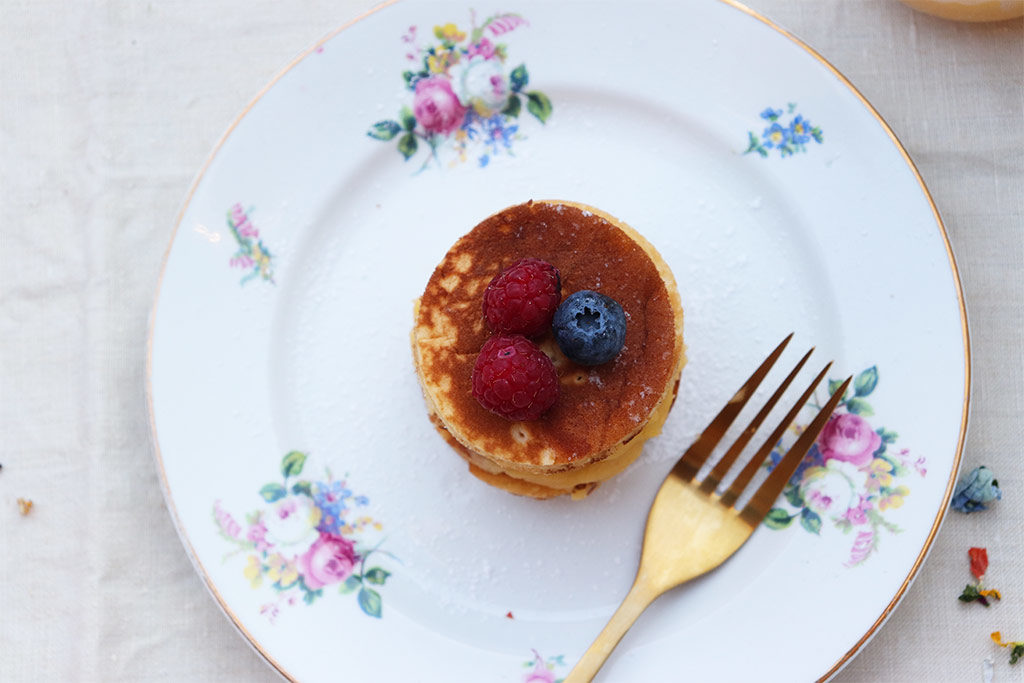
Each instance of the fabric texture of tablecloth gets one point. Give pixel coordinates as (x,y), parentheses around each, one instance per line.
(108,109)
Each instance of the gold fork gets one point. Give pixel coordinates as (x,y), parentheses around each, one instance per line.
(690,528)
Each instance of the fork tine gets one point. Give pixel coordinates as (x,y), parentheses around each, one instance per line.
(765,496)
(748,472)
(714,478)
(688,465)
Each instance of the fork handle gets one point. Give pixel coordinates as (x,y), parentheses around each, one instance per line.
(636,601)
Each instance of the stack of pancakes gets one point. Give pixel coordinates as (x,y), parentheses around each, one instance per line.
(604,413)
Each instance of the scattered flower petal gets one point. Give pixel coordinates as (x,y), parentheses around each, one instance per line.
(1016,647)
(24,506)
(979,561)
(975,592)
(976,490)
(971,593)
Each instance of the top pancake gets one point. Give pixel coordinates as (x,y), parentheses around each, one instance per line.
(600,407)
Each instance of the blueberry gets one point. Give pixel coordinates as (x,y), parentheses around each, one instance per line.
(589,327)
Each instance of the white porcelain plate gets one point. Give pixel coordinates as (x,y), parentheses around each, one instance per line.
(334,526)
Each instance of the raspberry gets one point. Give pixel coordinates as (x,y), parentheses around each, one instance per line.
(522,298)
(513,378)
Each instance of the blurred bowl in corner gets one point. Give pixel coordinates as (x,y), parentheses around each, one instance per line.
(970,10)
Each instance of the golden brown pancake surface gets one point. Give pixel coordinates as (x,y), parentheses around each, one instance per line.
(600,407)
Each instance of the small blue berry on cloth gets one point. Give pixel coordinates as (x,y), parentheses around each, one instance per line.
(976,490)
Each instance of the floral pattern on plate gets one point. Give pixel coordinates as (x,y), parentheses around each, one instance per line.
(306,538)
(252,255)
(852,475)
(465,99)
(543,670)
(785,137)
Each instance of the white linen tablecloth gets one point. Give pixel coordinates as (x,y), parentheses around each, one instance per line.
(107,111)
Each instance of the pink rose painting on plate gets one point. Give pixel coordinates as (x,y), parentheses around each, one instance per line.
(307,538)
(436,106)
(331,559)
(851,477)
(543,670)
(849,438)
(466,98)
